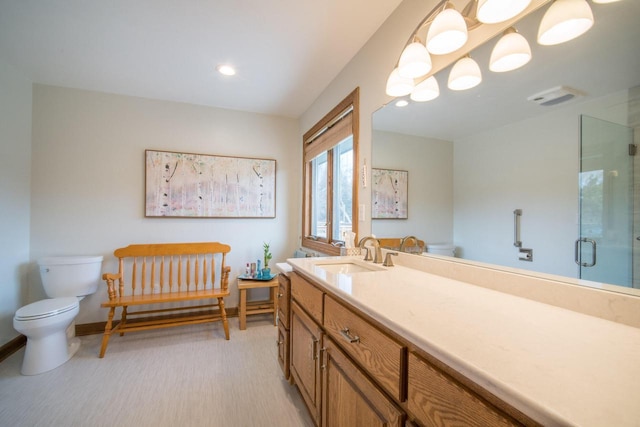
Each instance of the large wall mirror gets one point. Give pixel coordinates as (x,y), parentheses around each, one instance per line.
(474,157)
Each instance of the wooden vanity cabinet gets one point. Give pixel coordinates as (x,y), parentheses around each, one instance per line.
(284,324)
(360,374)
(350,399)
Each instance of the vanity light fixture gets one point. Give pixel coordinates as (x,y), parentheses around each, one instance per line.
(494,11)
(465,74)
(426,90)
(565,20)
(511,52)
(226,70)
(448,31)
(415,60)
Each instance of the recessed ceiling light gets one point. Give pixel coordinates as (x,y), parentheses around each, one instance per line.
(402,103)
(227,70)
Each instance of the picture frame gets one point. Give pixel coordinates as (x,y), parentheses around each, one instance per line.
(190,185)
(389,198)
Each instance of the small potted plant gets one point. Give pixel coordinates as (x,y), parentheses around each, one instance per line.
(266,271)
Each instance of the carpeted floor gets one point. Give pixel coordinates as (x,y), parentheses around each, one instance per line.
(185,376)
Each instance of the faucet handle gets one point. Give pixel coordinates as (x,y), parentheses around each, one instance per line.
(388,262)
(367,256)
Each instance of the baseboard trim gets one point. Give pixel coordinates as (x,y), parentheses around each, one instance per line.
(12,346)
(20,341)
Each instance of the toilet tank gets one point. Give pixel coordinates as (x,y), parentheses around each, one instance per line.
(70,276)
(442,249)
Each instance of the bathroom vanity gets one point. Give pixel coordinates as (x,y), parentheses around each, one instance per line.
(426,343)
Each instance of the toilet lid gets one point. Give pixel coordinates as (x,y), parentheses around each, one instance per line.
(46,308)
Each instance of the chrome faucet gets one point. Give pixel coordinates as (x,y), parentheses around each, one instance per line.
(404,242)
(376,245)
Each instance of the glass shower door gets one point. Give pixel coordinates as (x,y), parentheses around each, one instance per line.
(605,247)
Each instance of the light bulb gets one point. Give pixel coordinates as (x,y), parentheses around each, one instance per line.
(426,90)
(565,20)
(447,33)
(465,74)
(494,11)
(511,52)
(415,61)
(398,85)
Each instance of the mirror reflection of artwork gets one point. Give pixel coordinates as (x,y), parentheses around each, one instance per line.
(389,198)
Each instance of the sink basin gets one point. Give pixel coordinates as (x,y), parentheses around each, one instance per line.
(348,268)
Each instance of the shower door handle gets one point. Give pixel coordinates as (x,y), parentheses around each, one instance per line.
(578,252)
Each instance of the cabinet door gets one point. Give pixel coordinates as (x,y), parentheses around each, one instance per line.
(284,297)
(350,399)
(306,341)
(283,350)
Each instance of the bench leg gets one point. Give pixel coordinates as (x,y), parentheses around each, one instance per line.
(123,320)
(223,315)
(107,332)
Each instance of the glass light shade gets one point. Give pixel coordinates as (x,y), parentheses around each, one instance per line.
(494,11)
(605,1)
(426,90)
(402,103)
(398,85)
(447,33)
(565,20)
(465,74)
(415,61)
(511,52)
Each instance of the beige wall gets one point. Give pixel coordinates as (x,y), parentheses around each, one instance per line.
(430,165)
(369,70)
(87,194)
(15,151)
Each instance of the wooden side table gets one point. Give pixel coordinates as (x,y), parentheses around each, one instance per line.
(257,307)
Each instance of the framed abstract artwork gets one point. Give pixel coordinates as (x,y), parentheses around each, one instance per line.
(208,186)
(389,194)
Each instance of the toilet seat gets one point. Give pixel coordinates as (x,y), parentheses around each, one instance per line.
(46,308)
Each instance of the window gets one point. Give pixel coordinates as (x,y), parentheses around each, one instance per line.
(330,184)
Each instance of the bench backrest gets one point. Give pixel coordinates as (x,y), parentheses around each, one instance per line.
(171,267)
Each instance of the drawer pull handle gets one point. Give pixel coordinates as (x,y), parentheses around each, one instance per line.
(280,294)
(347,336)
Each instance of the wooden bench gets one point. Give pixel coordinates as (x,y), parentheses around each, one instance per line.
(172,274)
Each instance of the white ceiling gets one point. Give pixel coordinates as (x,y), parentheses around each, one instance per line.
(285,51)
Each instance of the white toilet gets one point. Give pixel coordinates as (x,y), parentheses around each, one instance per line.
(48,324)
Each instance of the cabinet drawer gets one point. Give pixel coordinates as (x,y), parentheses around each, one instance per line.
(434,397)
(284,296)
(379,355)
(308,296)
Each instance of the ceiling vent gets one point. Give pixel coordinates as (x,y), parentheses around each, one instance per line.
(555,95)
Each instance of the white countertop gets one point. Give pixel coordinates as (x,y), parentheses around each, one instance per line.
(558,366)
